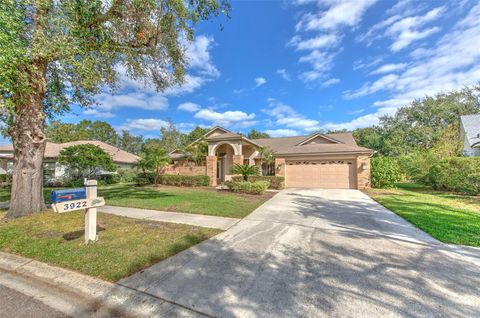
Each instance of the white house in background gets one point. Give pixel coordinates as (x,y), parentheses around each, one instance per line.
(470,134)
(53,170)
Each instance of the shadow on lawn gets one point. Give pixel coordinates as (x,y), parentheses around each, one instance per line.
(132,192)
(359,260)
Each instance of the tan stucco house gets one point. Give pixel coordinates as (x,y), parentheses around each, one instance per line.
(315,161)
(53,170)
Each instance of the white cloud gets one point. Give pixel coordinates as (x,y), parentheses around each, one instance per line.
(109,102)
(318,42)
(144,124)
(259,81)
(450,63)
(138,94)
(284,74)
(281,132)
(322,32)
(403,29)
(189,107)
(198,56)
(226,118)
(389,68)
(278,109)
(286,116)
(98,114)
(321,62)
(330,82)
(338,13)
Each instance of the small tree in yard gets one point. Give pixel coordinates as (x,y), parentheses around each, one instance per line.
(246,170)
(54,54)
(85,161)
(154,158)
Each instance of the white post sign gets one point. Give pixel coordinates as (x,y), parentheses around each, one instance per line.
(89,204)
(91,213)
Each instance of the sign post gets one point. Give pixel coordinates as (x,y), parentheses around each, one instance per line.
(80,199)
(91,213)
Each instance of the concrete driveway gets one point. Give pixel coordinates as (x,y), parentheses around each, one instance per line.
(314,253)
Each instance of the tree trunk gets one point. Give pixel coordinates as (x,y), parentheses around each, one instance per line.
(29,143)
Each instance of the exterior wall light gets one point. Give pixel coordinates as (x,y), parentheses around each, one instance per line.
(363,166)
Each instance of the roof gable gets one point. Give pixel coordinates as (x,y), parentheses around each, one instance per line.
(318,139)
(216,131)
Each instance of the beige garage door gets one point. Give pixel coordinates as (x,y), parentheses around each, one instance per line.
(329,174)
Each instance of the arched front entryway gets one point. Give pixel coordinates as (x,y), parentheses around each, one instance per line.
(224,154)
(221,157)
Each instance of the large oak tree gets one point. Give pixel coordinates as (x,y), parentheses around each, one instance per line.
(55,53)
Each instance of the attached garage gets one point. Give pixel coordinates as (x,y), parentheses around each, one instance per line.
(327,174)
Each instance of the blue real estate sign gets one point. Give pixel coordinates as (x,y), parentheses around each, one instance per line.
(68,195)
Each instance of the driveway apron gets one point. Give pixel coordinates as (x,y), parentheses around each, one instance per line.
(319,253)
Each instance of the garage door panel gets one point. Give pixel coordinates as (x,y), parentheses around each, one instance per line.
(331,174)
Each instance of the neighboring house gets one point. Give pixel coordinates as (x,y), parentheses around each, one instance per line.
(53,170)
(316,161)
(470,134)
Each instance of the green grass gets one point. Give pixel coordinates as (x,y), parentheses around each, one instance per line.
(178,199)
(448,217)
(125,245)
(190,200)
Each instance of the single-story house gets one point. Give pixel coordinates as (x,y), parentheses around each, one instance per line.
(53,170)
(315,161)
(470,134)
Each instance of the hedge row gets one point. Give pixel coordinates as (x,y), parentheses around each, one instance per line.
(173,179)
(179,180)
(274,182)
(458,174)
(385,172)
(257,187)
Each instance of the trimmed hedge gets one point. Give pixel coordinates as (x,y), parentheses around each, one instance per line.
(385,172)
(172,179)
(274,182)
(179,180)
(458,174)
(257,187)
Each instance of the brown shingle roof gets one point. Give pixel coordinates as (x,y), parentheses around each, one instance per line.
(290,145)
(52,150)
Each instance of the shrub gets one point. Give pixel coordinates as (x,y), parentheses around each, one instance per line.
(385,172)
(246,170)
(257,187)
(5,178)
(110,178)
(126,175)
(144,178)
(456,174)
(416,166)
(237,178)
(273,181)
(179,180)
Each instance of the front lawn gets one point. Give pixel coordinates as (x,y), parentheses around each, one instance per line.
(125,245)
(448,217)
(206,201)
(191,200)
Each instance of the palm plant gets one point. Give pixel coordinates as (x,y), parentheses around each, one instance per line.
(246,170)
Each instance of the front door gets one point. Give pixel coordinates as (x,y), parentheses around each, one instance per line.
(221,168)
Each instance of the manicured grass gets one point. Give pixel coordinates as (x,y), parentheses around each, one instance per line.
(448,217)
(125,245)
(190,200)
(178,199)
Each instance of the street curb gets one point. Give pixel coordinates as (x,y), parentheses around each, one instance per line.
(118,300)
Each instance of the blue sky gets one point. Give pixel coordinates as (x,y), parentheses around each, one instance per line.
(293,67)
